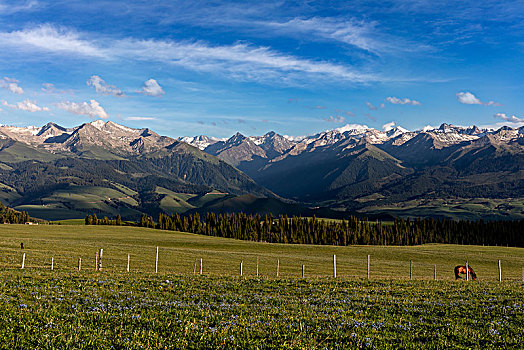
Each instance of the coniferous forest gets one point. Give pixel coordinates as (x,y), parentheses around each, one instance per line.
(10,216)
(299,230)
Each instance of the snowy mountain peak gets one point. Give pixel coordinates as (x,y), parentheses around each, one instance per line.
(354,128)
(99,124)
(201,141)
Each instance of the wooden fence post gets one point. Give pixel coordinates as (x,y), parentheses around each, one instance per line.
(500,272)
(411,269)
(23,261)
(257,266)
(303,270)
(194,268)
(241,263)
(200,265)
(79,264)
(128,258)
(96,261)
(100,259)
(435,272)
(278,266)
(52,263)
(156,261)
(334,266)
(467,271)
(368,264)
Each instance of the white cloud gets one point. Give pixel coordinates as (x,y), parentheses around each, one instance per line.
(336,119)
(511,119)
(49,88)
(91,109)
(11,85)
(374,108)
(26,105)
(140,118)
(239,61)
(31,106)
(151,88)
(103,88)
(403,101)
(388,126)
(469,99)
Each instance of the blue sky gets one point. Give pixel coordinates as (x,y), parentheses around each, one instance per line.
(295,67)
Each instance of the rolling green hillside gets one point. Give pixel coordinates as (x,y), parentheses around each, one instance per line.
(63,187)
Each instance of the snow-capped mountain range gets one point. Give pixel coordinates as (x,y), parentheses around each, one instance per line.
(350,168)
(447,133)
(355,161)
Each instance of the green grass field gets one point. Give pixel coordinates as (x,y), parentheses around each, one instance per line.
(221,256)
(67,308)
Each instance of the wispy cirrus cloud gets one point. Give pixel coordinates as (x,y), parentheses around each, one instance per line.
(373,107)
(470,99)
(11,85)
(346,112)
(104,88)
(336,119)
(403,101)
(511,119)
(92,109)
(361,34)
(140,118)
(240,60)
(49,88)
(53,39)
(21,6)
(352,32)
(26,105)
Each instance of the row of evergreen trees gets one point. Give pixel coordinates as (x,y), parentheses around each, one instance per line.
(94,220)
(10,216)
(298,230)
(345,232)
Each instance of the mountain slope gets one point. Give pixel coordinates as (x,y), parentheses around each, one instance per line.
(331,171)
(39,167)
(356,167)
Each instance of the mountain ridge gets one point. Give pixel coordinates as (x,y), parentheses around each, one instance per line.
(352,168)
(66,172)
(397,165)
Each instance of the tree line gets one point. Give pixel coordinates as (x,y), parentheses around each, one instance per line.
(11,216)
(353,231)
(94,220)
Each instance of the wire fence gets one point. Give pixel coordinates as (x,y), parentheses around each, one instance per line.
(162,260)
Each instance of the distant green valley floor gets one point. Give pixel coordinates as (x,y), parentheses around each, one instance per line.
(454,208)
